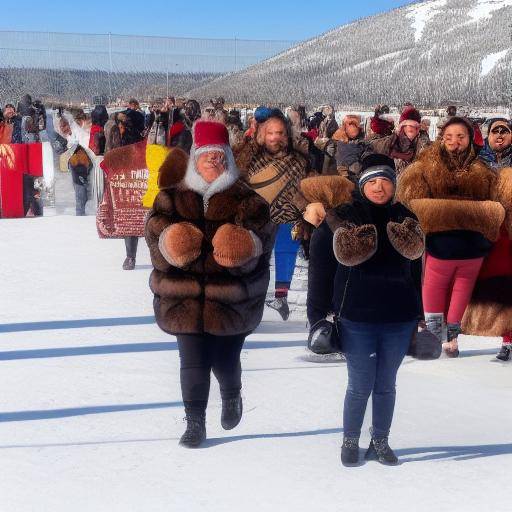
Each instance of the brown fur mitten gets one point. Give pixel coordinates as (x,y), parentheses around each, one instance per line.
(407,238)
(234,246)
(180,243)
(354,245)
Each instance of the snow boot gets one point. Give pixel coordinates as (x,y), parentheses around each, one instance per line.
(280,304)
(434,324)
(451,347)
(380,450)
(195,434)
(129,264)
(232,409)
(350,451)
(504,353)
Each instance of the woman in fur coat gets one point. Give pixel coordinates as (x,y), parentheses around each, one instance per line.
(453,194)
(376,300)
(209,237)
(490,311)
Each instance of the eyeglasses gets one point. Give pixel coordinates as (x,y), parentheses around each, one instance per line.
(500,130)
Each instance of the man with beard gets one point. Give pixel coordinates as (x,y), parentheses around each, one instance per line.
(274,169)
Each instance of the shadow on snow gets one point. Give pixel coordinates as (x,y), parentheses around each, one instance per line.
(127,348)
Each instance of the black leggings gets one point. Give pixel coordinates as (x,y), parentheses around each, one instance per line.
(200,354)
(131,243)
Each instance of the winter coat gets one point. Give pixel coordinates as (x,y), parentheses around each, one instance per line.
(374,282)
(346,155)
(276,179)
(180,137)
(135,125)
(204,297)
(456,207)
(384,146)
(494,160)
(97,140)
(112,135)
(489,312)
(17,137)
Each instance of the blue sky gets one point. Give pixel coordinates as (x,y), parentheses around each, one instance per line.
(244,19)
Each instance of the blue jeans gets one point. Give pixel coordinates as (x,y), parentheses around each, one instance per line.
(286,251)
(374,353)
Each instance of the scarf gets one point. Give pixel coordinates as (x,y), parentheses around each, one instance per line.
(402,148)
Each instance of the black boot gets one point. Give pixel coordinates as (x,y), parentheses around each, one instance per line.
(504,353)
(280,304)
(379,450)
(195,434)
(129,263)
(232,409)
(350,451)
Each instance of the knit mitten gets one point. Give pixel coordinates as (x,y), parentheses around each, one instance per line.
(180,243)
(234,246)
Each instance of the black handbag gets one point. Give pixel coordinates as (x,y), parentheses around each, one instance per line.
(324,336)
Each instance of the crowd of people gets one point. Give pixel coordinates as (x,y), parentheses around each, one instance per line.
(405,236)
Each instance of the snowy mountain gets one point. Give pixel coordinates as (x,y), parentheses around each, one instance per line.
(431,53)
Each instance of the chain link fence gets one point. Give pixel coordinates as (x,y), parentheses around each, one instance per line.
(74,67)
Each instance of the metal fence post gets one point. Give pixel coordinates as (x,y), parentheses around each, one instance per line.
(110,65)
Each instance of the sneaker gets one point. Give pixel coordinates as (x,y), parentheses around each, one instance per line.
(129,264)
(280,304)
(504,353)
(380,450)
(232,409)
(350,451)
(195,434)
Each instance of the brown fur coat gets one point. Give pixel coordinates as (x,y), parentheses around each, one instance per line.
(446,200)
(203,296)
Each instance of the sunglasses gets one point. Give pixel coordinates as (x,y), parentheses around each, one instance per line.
(501,130)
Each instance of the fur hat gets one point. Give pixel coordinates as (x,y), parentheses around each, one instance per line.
(210,133)
(210,136)
(410,114)
(410,117)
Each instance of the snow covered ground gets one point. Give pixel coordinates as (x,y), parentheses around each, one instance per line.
(90,406)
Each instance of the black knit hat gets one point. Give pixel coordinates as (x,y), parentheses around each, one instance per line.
(377,166)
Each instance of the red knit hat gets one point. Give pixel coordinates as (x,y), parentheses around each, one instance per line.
(210,133)
(410,114)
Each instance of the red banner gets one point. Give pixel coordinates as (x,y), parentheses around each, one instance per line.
(121,213)
(16,160)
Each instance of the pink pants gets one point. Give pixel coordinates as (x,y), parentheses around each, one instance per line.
(448,285)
